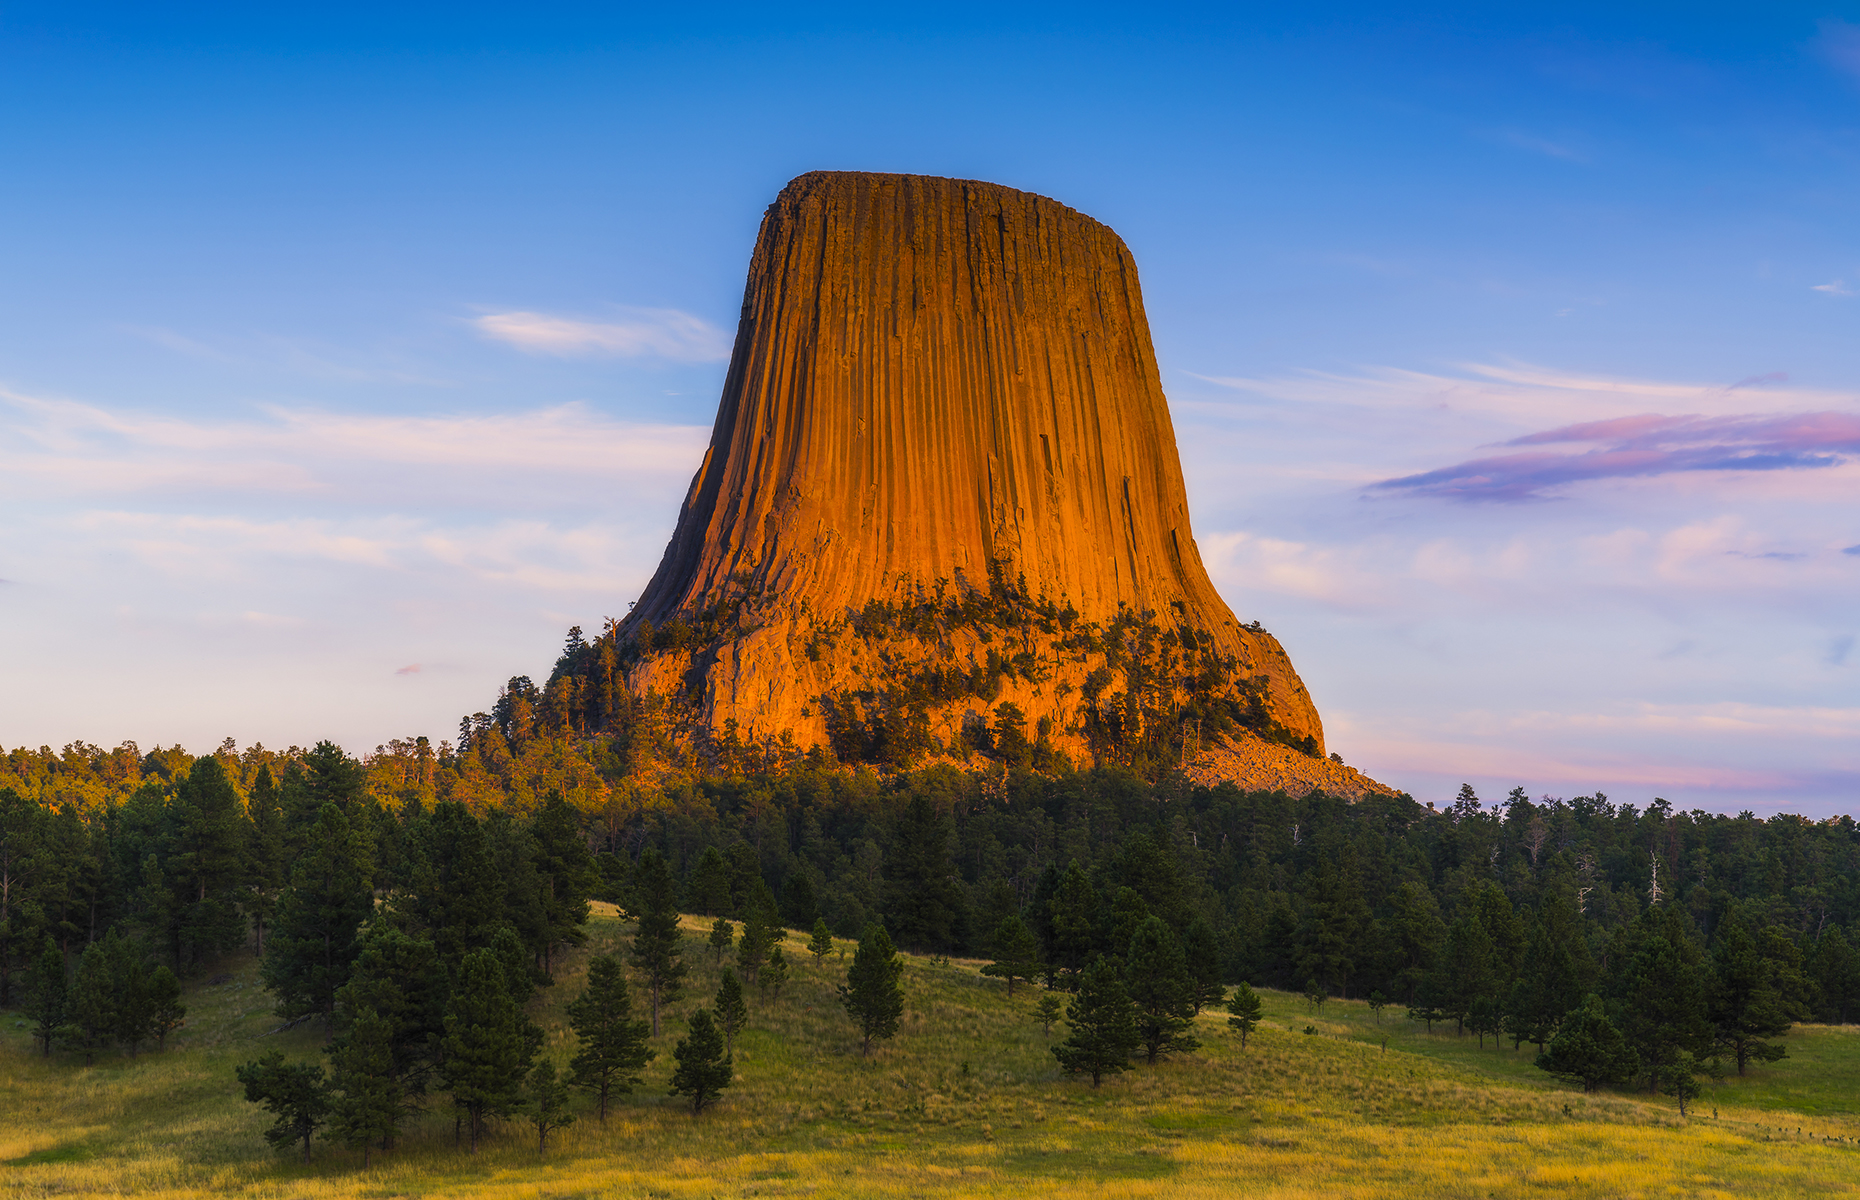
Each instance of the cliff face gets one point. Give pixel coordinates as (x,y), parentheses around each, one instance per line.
(943,479)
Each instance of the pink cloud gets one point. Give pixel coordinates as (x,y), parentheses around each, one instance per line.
(1645,445)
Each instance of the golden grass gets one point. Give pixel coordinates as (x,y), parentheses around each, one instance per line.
(966,1101)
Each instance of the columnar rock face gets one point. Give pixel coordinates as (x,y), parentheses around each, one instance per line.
(943,436)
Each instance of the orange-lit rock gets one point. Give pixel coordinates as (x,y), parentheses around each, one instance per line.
(943,438)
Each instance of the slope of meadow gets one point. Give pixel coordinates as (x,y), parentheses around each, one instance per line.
(965,1101)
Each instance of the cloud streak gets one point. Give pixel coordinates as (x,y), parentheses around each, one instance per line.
(633,333)
(1640,447)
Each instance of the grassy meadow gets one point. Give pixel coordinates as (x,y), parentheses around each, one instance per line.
(966,1100)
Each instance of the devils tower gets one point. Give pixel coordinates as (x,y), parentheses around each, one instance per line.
(942,511)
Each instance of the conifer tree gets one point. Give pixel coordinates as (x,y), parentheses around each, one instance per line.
(367,1099)
(314,936)
(1162,990)
(656,940)
(22,860)
(799,907)
(91,1011)
(1665,987)
(455,898)
(264,857)
(399,978)
(732,1013)
(1680,1078)
(1750,1000)
(1017,953)
(1103,1024)
(1202,951)
(774,972)
(722,937)
(1589,1050)
(1247,1010)
(821,943)
(1047,1011)
(46,996)
(166,1013)
(488,1044)
(710,884)
(567,873)
(294,1093)
(612,1045)
(704,1069)
(1549,982)
(1072,924)
(519,976)
(871,995)
(923,894)
(546,1099)
(752,949)
(204,865)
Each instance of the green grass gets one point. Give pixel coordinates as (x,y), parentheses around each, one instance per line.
(966,1100)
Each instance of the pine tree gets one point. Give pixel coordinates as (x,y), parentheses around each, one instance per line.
(314,937)
(455,896)
(546,1099)
(90,1011)
(612,1045)
(399,978)
(656,940)
(519,976)
(704,1069)
(1072,923)
(294,1093)
(1017,953)
(1665,985)
(1247,1010)
(821,944)
(752,949)
(722,937)
(1103,1024)
(1046,1011)
(1589,1050)
(1202,951)
(1836,968)
(1680,1078)
(205,865)
(1162,990)
(46,996)
(568,876)
(1747,1007)
(710,884)
(732,1013)
(799,907)
(264,856)
(488,1044)
(166,1012)
(774,973)
(923,894)
(22,860)
(871,995)
(1549,982)
(367,1099)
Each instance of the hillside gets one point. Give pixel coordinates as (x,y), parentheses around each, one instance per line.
(966,1099)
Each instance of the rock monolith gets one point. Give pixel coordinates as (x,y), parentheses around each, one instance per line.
(942,511)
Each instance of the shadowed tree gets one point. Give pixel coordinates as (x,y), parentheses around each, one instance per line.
(821,943)
(368,1100)
(314,937)
(656,940)
(923,895)
(46,996)
(546,1100)
(1162,990)
(732,1013)
(1247,1010)
(722,937)
(1017,953)
(612,1044)
(871,995)
(1589,1050)
(294,1093)
(488,1044)
(1103,1024)
(704,1068)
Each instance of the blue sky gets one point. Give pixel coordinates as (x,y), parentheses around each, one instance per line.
(348,355)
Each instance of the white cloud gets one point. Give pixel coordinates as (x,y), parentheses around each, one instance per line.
(633,333)
(1835,288)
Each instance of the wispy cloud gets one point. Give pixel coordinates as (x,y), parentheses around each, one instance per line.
(631,333)
(1641,446)
(1837,287)
(83,448)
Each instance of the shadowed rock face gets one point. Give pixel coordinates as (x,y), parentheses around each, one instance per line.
(942,389)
